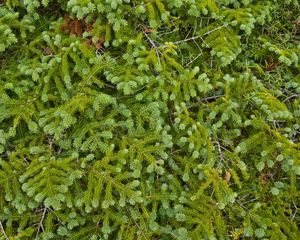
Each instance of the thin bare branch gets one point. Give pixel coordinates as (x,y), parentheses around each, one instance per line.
(3,231)
(295,213)
(41,223)
(221,155)
(194,59)
(290,97)
(166,33)
(153,45)
(204,99)
(200,36)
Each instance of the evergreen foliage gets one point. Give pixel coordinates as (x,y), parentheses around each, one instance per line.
(154,119)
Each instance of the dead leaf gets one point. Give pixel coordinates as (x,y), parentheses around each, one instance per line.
(227,176)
